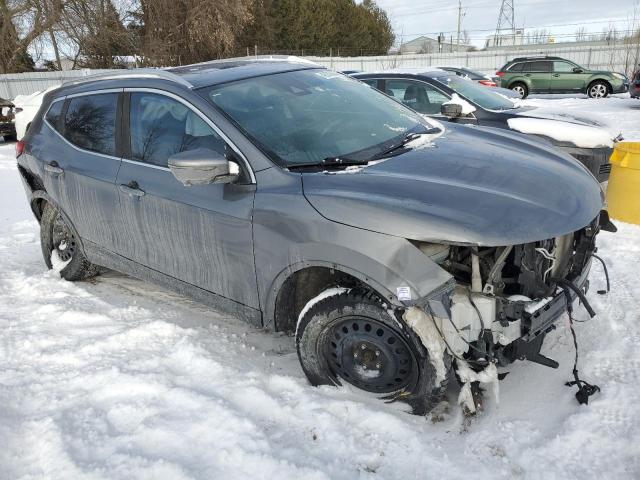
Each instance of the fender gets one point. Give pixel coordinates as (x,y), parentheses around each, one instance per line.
(402,265)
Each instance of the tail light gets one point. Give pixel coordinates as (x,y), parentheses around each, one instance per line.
(488,83)
(500,73)
(20,148)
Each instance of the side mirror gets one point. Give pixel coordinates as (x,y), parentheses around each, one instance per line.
(451,110)
(577,70)
(202,167)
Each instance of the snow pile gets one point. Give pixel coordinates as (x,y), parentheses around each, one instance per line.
(620,115)
(583,136)
(119,379)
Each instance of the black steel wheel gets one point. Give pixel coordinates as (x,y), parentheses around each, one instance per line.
(352,338)
(369,354)
(57,235)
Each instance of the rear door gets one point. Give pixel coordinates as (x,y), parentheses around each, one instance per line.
(539,74)
(200,234)
(80,168)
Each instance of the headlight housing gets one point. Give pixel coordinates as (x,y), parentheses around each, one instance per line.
(619,76)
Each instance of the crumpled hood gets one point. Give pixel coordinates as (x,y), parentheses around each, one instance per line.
(471,185)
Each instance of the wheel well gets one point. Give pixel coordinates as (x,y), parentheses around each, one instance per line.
(518,82)
(303,285)
(35,184)
(600,80)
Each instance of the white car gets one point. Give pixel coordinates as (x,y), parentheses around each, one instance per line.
(26,108)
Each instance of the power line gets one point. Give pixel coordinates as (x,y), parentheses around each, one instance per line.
(610,21)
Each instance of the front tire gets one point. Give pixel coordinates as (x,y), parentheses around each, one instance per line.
(598,89)
(351,337)
(521,89)
(56,236)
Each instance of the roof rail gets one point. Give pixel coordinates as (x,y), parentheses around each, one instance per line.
(251,58)
(133,73)
(530,57)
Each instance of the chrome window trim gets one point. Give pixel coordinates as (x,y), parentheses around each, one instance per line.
(94,92)
(143,164)
(195,110)
(80,149)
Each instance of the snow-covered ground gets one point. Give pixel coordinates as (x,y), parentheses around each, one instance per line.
(118,379)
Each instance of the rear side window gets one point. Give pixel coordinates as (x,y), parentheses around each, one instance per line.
(161,126)
(516,67)
(54,114)
(90,122)
(540,67)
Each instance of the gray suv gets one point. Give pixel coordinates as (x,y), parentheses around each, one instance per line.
(302,200)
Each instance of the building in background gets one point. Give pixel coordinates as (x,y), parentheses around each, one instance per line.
(506,39)
(432,45)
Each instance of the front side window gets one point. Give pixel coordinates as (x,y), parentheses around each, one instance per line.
(476,93)
(161,126)
(563,67)
(90,122)
(310,115)
(419,96)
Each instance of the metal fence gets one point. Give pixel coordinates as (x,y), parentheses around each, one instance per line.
(621,57)
(12,85)
(618,58)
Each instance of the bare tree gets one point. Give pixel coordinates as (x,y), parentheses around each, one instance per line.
(194,31)
(22,22)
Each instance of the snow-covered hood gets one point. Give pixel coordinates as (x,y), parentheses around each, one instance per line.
(562,127)
(474,185)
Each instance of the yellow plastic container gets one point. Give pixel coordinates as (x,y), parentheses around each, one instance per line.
(623,192)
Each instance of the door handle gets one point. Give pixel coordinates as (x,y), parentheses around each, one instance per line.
(132,189)
(53,168)
(556,74)
(527,74)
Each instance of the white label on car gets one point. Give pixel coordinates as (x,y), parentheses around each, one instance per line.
(403,293)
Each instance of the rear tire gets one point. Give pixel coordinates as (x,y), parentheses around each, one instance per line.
(56,235)
(351,337)
(598,89)
(521,89)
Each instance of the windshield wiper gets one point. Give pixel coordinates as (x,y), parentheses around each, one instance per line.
(409,137)
(329,162)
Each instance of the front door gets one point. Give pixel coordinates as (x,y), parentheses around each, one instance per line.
(565,79)
(200,234)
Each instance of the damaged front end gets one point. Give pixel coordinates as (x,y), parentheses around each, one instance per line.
(505,299)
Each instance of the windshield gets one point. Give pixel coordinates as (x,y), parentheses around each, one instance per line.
(478,94)
(308,116)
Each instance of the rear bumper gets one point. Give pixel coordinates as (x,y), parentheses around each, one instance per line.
(595,159)
(7,129)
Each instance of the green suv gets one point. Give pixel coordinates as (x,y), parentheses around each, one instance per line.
(556,75)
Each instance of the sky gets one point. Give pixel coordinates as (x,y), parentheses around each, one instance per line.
(411,18)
